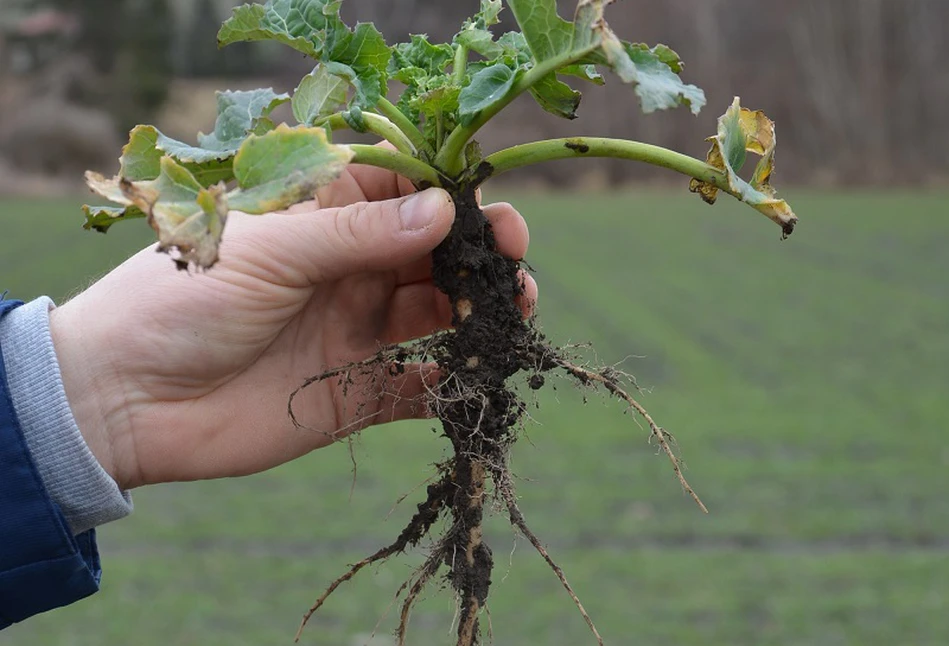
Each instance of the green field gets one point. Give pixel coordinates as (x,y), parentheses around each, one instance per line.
(807,383)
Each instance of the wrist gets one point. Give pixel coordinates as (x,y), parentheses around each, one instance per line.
(91,390)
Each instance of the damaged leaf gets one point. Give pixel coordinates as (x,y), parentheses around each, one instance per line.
(239,114)
(284,167)
(740,131)
(185,215)
(100,218)
(273,171)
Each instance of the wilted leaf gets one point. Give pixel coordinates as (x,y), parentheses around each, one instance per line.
(100,218)
(273,171)
(185,215)
(487,87)
(284,167)
(741,131)
(319,95)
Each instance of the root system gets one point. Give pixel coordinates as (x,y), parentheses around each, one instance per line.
(480,414)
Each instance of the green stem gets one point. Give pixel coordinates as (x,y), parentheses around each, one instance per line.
(377,125)
(406,165)
(393,114)
(460,65)
(572,147)
(450,158)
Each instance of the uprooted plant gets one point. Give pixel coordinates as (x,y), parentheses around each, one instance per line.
(451,91)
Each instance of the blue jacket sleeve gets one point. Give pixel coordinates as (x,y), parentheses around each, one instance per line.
(42,565)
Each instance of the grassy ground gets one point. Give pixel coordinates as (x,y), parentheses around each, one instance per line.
(805,382)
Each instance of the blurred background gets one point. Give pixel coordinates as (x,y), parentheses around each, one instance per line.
(805,381)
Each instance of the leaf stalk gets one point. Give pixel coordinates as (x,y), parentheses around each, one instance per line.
(460,66)
(402,122)
(414,169)
(573,147)
(377,125)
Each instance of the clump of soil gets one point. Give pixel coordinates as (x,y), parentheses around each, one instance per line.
(480,414)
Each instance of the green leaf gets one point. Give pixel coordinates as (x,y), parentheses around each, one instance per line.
(585,72)
(474,33)
(667,56)
(556,97)
(355,120)
(141,158)
(239,114)
(366,85)
(422,55)
(302,24)
(547,34)
(480,41)
(314,27)
(488,15)
(487,86)
(365,52)
(657,85)
(741,131)
(589,41)
(439,100)
(284,167)
(185,215)
(319,95)
(100,218)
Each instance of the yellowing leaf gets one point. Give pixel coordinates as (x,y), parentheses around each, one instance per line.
(185,215)
(283,167)
(741,131)
(273,171)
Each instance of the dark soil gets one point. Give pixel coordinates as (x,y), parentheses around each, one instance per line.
(478,410)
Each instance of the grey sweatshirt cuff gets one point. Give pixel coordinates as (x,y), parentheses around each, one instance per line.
(74,479)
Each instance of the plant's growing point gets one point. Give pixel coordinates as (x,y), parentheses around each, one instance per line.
(452,90)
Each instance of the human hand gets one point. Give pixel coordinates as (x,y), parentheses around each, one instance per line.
(174,377)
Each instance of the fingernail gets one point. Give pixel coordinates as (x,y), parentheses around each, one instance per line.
(418,211)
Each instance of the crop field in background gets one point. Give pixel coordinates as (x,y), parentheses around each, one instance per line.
(807,383)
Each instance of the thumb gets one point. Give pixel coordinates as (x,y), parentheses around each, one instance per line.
(374,235)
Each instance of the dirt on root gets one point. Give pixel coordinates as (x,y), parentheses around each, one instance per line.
(490,343)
